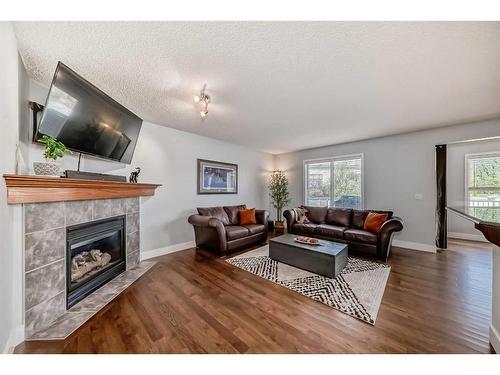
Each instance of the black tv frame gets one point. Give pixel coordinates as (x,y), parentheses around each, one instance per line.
(37,135)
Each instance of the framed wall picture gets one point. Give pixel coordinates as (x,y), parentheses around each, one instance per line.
(215,177)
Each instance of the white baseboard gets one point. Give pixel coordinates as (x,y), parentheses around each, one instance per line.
(186,245)
(166,250)
(15,338)
(467,236)
(495,339)
(414,246)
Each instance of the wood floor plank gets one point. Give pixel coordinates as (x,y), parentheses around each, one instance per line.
(194,302)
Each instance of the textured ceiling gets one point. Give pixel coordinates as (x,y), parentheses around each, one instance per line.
(281,86)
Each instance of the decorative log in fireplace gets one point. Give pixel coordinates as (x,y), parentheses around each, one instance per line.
(86,263)
(96,254)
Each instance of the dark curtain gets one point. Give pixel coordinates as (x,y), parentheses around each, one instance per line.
(441,227)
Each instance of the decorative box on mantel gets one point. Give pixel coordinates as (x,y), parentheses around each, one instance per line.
(81,248)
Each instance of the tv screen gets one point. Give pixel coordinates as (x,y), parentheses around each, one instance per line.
(87,120)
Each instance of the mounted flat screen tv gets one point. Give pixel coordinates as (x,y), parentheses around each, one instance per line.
(87,120)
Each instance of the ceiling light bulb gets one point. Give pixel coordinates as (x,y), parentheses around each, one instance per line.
(203,114)
(196,99)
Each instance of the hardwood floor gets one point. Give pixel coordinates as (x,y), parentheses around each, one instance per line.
(192,302)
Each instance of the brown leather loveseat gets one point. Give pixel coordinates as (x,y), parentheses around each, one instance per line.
(217,228)
(346,225)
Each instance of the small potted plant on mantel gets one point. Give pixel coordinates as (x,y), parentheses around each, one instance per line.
(54,150)
(280,197)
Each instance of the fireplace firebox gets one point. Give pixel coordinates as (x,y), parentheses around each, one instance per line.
(95,255)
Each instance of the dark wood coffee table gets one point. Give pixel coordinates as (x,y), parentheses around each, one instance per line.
(327,259)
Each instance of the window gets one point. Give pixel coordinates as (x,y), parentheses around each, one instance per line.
(334,182)
(483,185)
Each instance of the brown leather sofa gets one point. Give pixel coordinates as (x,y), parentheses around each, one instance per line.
(217,228)
(346,225)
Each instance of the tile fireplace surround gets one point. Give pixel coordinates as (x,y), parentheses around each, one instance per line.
(45,225)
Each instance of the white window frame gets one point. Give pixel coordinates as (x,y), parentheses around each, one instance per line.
(478,155)
(333,159)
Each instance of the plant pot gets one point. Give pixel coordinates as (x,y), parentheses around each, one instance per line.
(46,168)
(279,226)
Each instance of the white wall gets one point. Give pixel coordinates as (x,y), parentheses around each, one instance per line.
(9,120)
(396,168)
(168,157)
(457,226)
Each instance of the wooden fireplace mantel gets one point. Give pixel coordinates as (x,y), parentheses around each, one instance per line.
(39,189)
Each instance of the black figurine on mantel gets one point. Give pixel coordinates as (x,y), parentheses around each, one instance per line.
(134,175)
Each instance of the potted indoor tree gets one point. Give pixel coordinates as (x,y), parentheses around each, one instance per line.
(54,150)
(280,197)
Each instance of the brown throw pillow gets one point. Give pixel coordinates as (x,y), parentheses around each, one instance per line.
(247,216)
(374,222)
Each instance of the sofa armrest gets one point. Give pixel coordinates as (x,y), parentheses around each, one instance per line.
(204,221)
(262,217)
(209,232)
(391,226)
(290,219)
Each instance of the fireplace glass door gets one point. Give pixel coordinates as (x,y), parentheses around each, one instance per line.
(95,255)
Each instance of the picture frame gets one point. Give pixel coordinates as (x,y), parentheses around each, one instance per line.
(215,177)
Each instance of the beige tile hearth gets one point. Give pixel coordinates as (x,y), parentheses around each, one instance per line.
(43,315)
(72,319)
(63,326)
(46,250)
(44,247)
(93,302)
(44,283)
(78,212)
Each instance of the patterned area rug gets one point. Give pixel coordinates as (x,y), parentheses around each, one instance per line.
(357,291)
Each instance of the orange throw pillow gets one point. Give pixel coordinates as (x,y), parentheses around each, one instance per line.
(247,216)
(374,221)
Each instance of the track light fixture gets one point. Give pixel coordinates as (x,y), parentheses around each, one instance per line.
(204,99)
